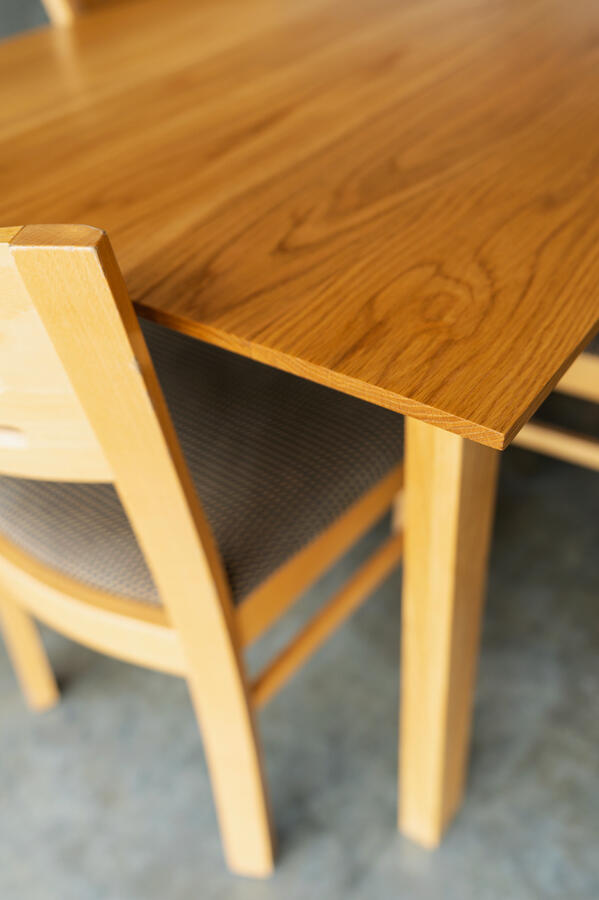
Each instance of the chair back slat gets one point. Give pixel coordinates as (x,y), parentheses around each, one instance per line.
(44,432)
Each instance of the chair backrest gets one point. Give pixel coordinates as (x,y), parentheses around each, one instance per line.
(44,432)
(68,276)
(79,400)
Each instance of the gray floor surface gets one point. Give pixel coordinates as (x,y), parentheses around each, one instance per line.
(107,798)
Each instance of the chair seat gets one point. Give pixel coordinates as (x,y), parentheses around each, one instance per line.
(275,460)
(593,346)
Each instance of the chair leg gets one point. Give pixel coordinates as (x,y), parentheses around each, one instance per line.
(450,496)
(234,760)
(397,513)
(28,656)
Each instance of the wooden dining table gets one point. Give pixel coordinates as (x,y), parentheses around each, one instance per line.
(395,198)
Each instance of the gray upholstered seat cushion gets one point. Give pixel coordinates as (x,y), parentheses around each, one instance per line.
(593,346)
(275,459)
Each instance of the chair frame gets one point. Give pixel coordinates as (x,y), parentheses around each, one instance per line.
(582,381)
(197,633)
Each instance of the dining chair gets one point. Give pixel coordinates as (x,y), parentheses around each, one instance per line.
(173,543)
(581,381)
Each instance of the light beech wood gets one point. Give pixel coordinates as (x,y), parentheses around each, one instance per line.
(60,12)
(7,233)
(26,651)
(44,432)
(553,441)
(64,12)
(135,632)
(397,512)
(394,199)
(64,287)
(449,494)
(324,623)
(582,381)
(141,633)
(582,378)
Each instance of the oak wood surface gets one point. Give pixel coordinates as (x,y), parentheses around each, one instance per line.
(449,505)
(396,199)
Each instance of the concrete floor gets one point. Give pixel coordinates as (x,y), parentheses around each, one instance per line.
(106,797)
(19,15)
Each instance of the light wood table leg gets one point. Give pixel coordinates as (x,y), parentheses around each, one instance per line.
(449,505)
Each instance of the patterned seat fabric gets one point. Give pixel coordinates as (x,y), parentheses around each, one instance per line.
(593,346)
(275,460)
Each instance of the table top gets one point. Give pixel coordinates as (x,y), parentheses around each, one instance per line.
(397,198)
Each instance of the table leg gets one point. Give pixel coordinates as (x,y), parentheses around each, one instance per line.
(450,498)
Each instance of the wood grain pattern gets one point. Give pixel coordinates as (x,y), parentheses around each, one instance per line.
(449,504)
(44,432)
(396,199)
